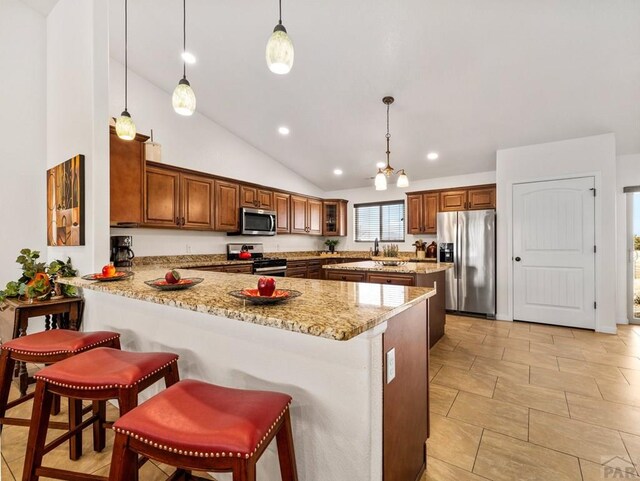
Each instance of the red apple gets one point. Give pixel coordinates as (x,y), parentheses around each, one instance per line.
(172,277)
(266,286)
(109,270)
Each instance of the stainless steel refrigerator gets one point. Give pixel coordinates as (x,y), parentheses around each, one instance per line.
(468,239)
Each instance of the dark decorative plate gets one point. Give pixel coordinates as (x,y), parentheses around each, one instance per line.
(118,276)
(184,283)
(252,295)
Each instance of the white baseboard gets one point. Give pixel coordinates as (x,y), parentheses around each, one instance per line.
(502,317)
(607,330)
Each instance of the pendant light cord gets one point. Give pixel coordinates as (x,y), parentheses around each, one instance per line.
(184,37)
(126,57)
(388,136)
(279,12)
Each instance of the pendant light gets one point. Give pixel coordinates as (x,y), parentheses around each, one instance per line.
(183,99)
(279,48)
(384,172)
(125,128)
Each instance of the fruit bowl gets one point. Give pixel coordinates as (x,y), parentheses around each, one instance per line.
(184,283)
(389,261)
(253,296)
(98,276)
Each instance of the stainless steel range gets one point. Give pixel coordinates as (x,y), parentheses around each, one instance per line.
(266,266)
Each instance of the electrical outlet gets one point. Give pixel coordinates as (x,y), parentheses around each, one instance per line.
(391,365)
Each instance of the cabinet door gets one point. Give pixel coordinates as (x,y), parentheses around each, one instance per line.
(430,204)
(248,196)
(330,219)
(281,206)
(349,276)
(453,200)
(226,206)
(414,214)
(298,215)
(343,219)
(126,178)
(197,202)
(392,279)
(314,217)
(162,205)
(241,269)
(482,198)
(265,199)
(297,269)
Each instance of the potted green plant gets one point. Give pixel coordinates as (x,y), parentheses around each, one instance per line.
(331,244)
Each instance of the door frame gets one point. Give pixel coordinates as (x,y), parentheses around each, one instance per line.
(597,178)
(629,260)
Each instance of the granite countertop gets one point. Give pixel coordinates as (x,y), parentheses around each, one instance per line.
(330,309)
(407,268)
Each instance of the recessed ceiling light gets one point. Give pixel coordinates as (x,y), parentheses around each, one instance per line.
(432,155)
(188,57)
(283,130)
(380,165)
(337,171)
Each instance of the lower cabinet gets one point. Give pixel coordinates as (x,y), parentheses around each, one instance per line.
(351,276)
(393,279)
(230,268)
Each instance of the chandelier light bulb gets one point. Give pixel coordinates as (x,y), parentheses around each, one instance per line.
(183,99)
(381,180)
(403,179)
(125,128)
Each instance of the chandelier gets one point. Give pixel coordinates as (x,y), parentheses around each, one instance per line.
(387,171)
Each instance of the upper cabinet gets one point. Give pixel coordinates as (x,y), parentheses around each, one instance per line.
(197,202)
(334,217)
(422,210)
(126,169)
(482,197)
(305,215)
(281,206)
(227,210)
(256,197)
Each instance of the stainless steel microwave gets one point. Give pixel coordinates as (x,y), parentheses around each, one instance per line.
(257,222)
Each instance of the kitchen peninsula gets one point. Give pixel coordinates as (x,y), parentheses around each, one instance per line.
(354,357)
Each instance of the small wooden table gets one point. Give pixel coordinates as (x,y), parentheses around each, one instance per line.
(65,313)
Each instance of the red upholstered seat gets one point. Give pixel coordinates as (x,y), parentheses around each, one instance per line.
(195,418)
(58,341)
(104,367)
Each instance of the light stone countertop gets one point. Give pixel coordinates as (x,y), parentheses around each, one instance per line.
(330,309)
(407,268)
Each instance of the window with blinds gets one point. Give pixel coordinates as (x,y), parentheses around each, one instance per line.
(384,220)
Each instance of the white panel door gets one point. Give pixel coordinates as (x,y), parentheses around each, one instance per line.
(553,252)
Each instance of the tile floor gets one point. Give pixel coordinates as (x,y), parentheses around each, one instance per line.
(509,402)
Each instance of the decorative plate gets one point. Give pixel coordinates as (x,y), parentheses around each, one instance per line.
(118,276)
(184,283)
(253,296)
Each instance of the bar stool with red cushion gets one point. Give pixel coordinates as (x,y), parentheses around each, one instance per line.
(98,375)
(222,430)
(46,347)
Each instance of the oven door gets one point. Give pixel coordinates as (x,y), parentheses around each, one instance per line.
(258,222)
(276,271)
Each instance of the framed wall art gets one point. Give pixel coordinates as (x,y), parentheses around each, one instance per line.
(65,203)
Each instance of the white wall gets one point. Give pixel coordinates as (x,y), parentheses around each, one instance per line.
(201,144)
(369,194)
(77,115)
(570,158)
(627,174)
(23,128)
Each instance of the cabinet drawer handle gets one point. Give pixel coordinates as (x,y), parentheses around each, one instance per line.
(183,221)
(177,220)
(388,281)
(344,278)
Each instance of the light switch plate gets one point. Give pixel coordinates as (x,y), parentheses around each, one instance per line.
(391,365)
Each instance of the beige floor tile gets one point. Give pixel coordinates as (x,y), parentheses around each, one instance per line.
(148,472)
(557,350)
(520,326)
(5,472)
(616,360)
(619,347)
(459,322)
(457,359)
(531,336)
(519,344)
(620,393)
(490,330)
(547,400)
(514,372)
(631,375)
(600,372)
(502,458)
(632,443)
(531,358)
(565,381)
(618,469)
(573,437)
(441,398)
(453,441)
(588,334)
(586,344)
(607,414)
(458,335)
(553,330)
(446,343)
(434,367)
(440,471)
(500,416)
(483,350)
(460,379)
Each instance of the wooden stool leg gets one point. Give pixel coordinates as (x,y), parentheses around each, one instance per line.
(55,406)
(6,374)
(124,462)
(173,376)
(75,419)
(246,471)
(38,431)
(286,454)
(99,437)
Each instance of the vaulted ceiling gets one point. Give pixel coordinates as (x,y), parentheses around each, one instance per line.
(469,76)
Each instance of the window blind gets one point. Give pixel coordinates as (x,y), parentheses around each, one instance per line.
(382,220)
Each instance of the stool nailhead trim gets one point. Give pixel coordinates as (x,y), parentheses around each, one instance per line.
(197,453)
(50,353)
(106,386)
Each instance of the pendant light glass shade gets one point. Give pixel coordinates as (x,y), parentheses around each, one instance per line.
(381,180)
(125,128)
(403,180)
(184,100)
(279,52)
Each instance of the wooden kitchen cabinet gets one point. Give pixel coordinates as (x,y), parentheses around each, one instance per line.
(482,198)
(306,215)
(281,206)
(349,276)
(392,279)
(226,206)
(162,197)
(256,198)
(334,217)
(453,200)
(126,179)
(197,194)
(314,217)
(422,213)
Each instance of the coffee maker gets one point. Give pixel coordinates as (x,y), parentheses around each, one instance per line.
(121,253)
